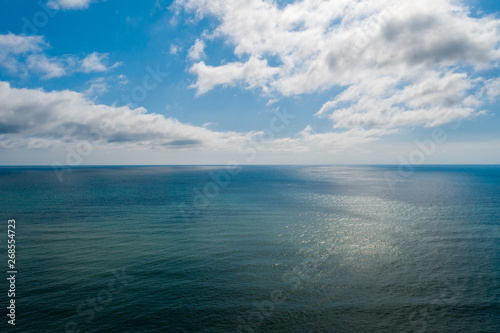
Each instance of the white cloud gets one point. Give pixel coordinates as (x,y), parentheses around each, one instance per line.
(13,46)
(50,68)
(69,4)
(19,44)
(32,118)
(429,99)
(174,49)
(97,87)
(332,42)
(122,79)
(53,123)
(196,51)
(491,89)
(95,62)
(21,54)
(255,72)
(400,63)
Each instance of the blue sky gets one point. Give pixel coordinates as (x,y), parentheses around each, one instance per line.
(208,82)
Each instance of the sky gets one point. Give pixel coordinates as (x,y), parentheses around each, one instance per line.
(92,82)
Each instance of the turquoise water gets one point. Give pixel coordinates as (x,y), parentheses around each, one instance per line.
(254,249)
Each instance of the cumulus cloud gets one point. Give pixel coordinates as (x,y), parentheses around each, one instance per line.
(14,46)
(196,51)
(48,67)
(97,87)
(254,71)
(430,99)
(31,118)
(96,62)
(69,4)
(38,119)
(491,89)
(26,54)
(399,63)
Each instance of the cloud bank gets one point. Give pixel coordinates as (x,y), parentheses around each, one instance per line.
(35,119)
(31,118)
(399,63)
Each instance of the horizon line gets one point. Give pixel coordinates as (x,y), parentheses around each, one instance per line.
(246,165)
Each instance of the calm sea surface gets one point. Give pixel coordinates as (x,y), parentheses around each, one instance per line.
(253,249)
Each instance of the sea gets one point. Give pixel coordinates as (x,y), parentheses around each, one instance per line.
(382,248)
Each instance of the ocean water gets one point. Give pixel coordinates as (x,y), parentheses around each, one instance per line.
(254,249)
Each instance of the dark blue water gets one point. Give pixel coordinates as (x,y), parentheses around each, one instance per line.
(256,249)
